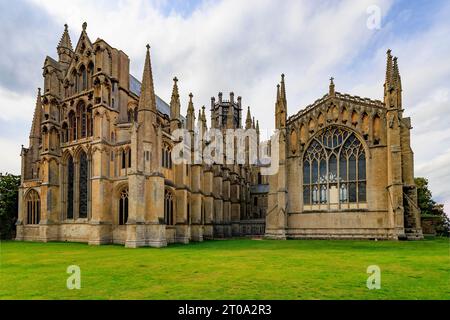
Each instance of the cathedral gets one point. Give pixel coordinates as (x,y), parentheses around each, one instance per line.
(99,166)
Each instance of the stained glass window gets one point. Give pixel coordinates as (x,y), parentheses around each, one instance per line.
(335,158)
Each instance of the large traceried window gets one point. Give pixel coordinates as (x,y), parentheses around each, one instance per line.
(33,208)
(334,169)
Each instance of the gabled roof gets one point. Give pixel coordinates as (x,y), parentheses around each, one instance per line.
(52,62)
(83,38)
(340,96)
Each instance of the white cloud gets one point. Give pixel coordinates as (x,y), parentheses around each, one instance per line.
(16,106)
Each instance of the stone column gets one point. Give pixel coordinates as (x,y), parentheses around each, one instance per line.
(182,233)
(226,205)
(208,203)
(101,200)
(196,205)
(235,207)
(218,202)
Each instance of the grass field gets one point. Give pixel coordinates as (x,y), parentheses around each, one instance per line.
(232,269)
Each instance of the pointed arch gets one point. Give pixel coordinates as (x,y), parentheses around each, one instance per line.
(83,77)
(334,167)
(123,205)
(33,207)
(168,207)
(72,126)
(90,69)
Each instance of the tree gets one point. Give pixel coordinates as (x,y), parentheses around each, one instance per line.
(9,186)
(429,207)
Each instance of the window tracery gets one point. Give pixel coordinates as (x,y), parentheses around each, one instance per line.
(334,168)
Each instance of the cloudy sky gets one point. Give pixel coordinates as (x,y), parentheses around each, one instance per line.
(244,46)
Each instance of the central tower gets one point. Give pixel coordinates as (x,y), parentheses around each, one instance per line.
(226,114)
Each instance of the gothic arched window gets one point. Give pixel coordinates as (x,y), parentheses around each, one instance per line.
(83,186)
(33,207)
(90,74)
(83,78)
(168,208)
(124,159)
(166,157)
(123,207)
(334,168)
(72,126)
(65,133)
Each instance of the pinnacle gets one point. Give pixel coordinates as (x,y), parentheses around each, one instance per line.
(147,98)
(65,41)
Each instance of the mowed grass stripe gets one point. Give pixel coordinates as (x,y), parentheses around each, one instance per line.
(231,269)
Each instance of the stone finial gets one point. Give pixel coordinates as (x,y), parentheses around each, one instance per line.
(84,26)
(175,79)
(66,27)
(148,47)
(332,91)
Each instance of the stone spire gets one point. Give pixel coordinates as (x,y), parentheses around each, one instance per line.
(64,48)
(248,120)
(397,82)
(278,95)
(147,99)
(253,123)
(199,118)
(175,101)
(190,117)
(388,84)
(35,131)
(283,90)
(204,118)
(257,126)
(281,105)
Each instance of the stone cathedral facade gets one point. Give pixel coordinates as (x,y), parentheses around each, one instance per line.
(99,166)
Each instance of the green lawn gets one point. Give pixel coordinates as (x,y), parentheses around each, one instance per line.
(231,269)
